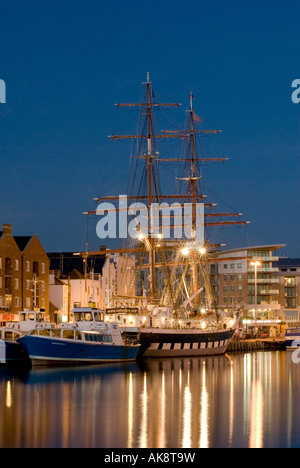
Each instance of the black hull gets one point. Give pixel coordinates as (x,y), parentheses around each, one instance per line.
(183,343)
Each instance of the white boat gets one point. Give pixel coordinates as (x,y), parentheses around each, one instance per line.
(10,350)
(85,340)
(292,338)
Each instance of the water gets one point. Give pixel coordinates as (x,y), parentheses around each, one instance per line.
(238,400)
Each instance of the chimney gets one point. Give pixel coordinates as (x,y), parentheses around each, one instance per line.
(7,229)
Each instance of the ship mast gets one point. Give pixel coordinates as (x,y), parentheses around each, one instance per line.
(148,111)
(149,167)
(208,252)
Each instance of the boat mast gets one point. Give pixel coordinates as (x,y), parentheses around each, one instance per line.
(150,136)
(149,167)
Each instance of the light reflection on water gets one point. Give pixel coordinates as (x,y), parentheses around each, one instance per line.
(238,400)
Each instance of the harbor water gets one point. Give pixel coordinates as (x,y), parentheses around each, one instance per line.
(247,400)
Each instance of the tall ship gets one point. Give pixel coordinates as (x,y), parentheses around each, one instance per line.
(167,234)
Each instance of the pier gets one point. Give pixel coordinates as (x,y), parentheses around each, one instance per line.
(270,344)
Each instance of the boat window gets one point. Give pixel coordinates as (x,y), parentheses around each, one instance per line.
(78,317)
(68,334)
(56,333)
(89,317)
(44,332)
(293,331)
(9,335)
(78,336)
(107,338)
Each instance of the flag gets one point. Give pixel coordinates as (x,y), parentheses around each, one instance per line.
(197,118)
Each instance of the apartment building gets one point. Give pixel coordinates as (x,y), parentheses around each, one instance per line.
(24,274)
(289,287)
(249,278)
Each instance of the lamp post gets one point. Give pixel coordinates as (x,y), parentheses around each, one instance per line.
(255,264)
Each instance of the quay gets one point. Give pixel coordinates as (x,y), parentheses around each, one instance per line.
(271,344)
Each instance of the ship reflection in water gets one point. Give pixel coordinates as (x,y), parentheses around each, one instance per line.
(242,400)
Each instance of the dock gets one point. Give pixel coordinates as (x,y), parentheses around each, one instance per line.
(270,344)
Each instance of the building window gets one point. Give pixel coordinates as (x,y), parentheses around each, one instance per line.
(43,268)
(225,266)
(27,285)
(17,265)
(16,283)
(232,288)
(8,267)
(35,268)
(28,302)
(225,288)
(1,263)
(17,301)
(239,265)
(232,277)
(28,266)
(0,282)
(225,277)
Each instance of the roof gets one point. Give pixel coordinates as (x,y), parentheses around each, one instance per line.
(22,241)
(75,274)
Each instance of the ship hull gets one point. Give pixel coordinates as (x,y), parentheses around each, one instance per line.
(183,343)
(50,352)
(11,353)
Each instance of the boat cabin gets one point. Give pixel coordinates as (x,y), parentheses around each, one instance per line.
(87,315)
(28,320)
(71,333)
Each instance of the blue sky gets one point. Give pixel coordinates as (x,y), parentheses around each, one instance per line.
(66,64)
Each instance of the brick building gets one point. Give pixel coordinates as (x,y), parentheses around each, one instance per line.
(24,274)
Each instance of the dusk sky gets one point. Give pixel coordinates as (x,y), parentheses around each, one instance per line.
(66,64)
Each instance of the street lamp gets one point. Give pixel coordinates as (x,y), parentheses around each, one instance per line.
(255,264)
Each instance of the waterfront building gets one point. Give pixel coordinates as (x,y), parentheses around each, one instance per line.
(289,287)
(238,281)
(24,275)
(59,298)
(73,290)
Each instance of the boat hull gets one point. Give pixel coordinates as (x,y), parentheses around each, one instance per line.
(11,353)
(49,351)
(292,338)
(183,343)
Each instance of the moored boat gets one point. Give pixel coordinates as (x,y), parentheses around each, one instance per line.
(11,352)
(88,340)
(182,343)
(173,247)
(292,338)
